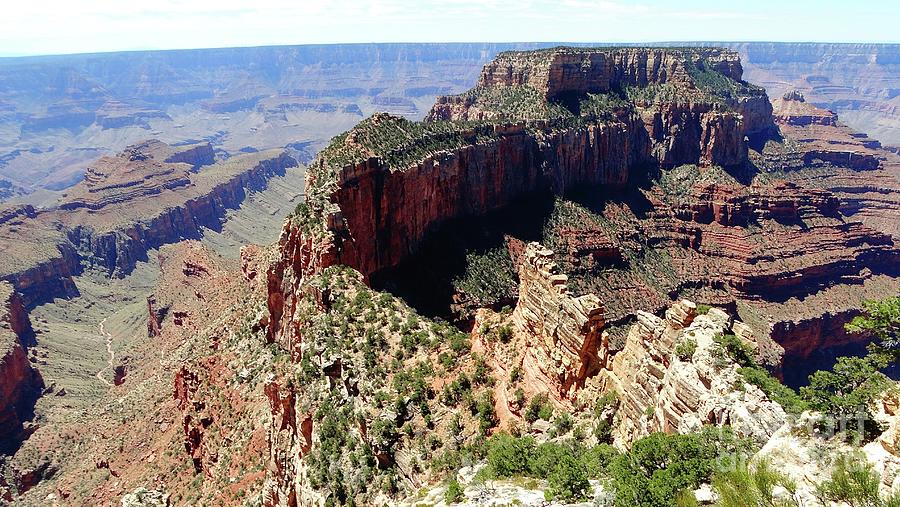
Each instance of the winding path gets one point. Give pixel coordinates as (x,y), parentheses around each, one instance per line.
(109,350)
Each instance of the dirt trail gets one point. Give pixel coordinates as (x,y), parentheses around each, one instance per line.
(109,350)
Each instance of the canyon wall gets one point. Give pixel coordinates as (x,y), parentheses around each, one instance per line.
(557,71)
(20,383)
(117,251)
(385,214)
(370,215)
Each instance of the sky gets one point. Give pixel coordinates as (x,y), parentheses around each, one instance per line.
(29,27)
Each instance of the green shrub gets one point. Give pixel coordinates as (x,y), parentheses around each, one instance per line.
(454,492)
(562,424)
(539,408)
(604,413)
(489,277)
(660,466)
(736,349)
(753,486)
(598,459)
(504,333)
(519,397)
(566,466)
(847,391)
(774,390)
(881,319)
(685,349)
(487,419)
(568,481)
(459,343)
(509,456)
(853,482)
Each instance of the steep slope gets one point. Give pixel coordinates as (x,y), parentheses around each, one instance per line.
(545,147)
(20,383)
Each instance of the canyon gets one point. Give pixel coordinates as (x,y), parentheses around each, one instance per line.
(61,112)
(149,195)
(668,198)
(752,209)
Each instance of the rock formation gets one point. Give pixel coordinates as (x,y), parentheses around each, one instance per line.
(365,204)
(20,383)
(722,236)
(824,140)
(565,331)
(664,387)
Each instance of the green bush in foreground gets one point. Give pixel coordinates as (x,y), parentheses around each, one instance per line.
(566,466)
(855,483)
(660,467)
(753,486)
(454,492)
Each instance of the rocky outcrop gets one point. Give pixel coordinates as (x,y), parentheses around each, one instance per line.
(564,331)
(793,110)
(117,251)
(155,315)
(672,377)
(287,444)
(729,205)
(195,419)
(196,156)
(695,133)
(382,215)
(702,126)
(48,278)
(20,383)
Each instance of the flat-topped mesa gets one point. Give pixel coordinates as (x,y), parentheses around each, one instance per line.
(566,342)
(147,168)
(692,101)
(558,71)
(822,140)
(792,109)
(376,191)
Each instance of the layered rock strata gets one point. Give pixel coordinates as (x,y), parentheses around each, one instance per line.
(564,331)
(379,189)
(664,387)
(823,140)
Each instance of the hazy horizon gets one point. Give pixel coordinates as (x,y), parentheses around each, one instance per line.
(504,42)
(99,26)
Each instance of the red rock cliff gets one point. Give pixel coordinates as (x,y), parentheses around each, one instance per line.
(20,384)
